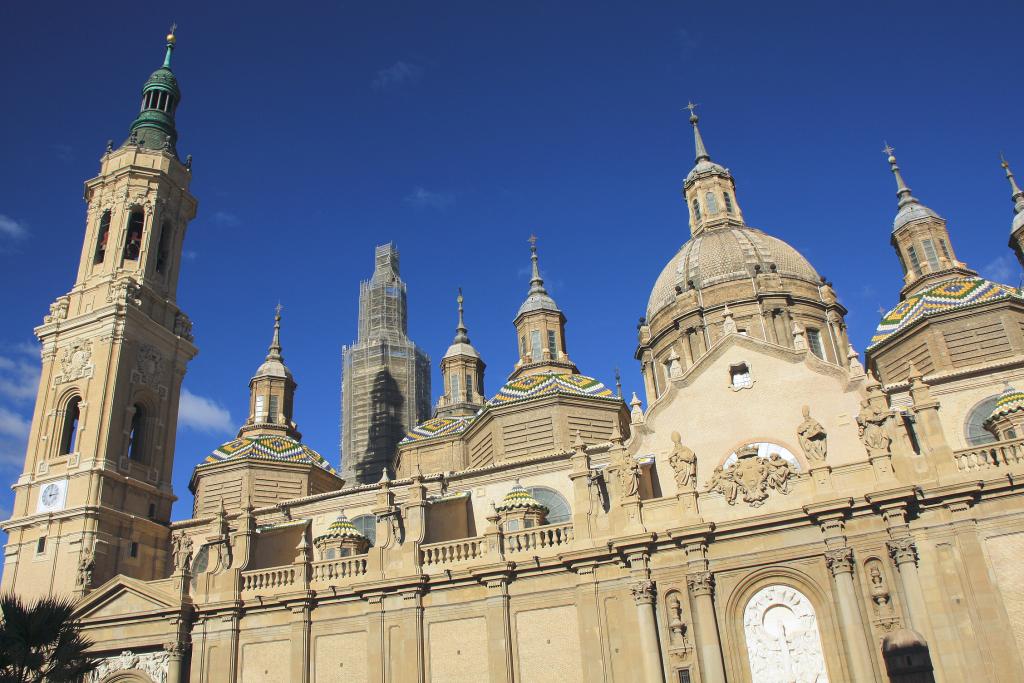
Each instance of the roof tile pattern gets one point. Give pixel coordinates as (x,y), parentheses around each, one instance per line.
(950,295)
(548,384)
(269,447)
(437,427)
(1011,400)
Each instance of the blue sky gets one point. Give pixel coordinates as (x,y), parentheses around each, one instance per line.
(456,130)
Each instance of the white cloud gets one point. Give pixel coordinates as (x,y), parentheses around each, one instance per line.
(226,218)
(13,425)
(1003,269)
(423,198)
(396,75)
(19,371)
(203,414)
(12,228)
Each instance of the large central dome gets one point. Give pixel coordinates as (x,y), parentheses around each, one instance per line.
(729,253)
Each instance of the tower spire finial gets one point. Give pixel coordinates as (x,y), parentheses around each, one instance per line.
(461,333)
(274,352)
(902,191)
(536,282)
(1017,195)
(698,141)
(171,40)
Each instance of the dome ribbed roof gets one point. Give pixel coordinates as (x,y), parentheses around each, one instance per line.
(724,254)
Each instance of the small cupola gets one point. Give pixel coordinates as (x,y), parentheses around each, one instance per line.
(272,392)
(520,510)
(462,370)
(342,539)
(154,127)
(540,328)
(1007,418)
(709,188)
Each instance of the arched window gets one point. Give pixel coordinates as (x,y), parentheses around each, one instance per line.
(454,389)
(974,432)
(814,342)
(133,243)
(711,203)
(728,201)
(136,437)
(163,251)
(69,430)
(367,526)
(559,511)
(765,450)
(696,209)
(929,253)
(915,262)
(102,237)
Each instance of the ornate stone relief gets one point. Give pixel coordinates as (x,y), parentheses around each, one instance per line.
(903,550)
(783,642)
(183,326)
(679,645)
(751,476)
(813,438)
(839,560)
(181,552)
(124,290)
(643,592)
(149,366)
(58,310)
(74,362)
(885,619)
(701,583)
(153,664)
(871,426)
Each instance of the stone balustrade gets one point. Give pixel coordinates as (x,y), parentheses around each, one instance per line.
(538,538)
(990,455)
(339,569)
(271,579)
(450,552)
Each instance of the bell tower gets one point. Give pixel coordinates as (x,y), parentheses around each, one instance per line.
(94,498)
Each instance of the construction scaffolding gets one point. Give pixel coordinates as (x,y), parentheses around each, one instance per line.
(385,377)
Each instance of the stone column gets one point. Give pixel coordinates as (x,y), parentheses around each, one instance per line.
(904,553)
(840,561)
(588,608)
(643,595)
(175,654)
(709,647)
(300,651)
(499,629)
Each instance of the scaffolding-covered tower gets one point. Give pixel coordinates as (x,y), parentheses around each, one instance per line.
(385,377)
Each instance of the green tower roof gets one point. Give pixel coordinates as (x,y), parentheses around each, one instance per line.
(154,127)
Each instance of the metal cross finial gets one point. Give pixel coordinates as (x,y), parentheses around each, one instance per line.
(278,309)
(1002,161)
(887,150)
(533,240)
(174,27)
(692,107)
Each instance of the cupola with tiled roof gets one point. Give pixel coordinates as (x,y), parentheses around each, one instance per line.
(342,539)
(272,393)
(540,329)
(520,510)
(1007,418)
(463,372)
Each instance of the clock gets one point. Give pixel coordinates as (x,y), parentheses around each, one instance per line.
(51,497)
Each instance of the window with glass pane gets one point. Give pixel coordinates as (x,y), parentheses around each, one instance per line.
(551,344)
(814,342)
(975,432)
(915,262)
(711,203)
(260,408)
(728,201)
(740,375)
(469,387)
(558,507)
(945,250)
(273,409)
(454,387)
(696,209)
(535,345)
(367,526)
(929,253)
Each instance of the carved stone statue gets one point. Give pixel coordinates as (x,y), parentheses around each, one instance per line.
(683,462)
(86,564)
(813,438)
(676,625)
(722,482)
(871,426)
(182,552)
(779,471)
(628,472)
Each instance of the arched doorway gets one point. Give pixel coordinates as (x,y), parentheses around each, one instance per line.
(782,637)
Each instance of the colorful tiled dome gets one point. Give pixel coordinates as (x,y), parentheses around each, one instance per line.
(1011,400)
(342,528)
(269,447)
(437,427)
(518,498)
(548,384)
(950,295)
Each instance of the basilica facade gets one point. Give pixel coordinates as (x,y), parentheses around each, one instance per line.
(772,509)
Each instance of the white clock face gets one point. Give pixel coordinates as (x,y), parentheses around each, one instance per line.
(51,497)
